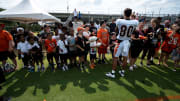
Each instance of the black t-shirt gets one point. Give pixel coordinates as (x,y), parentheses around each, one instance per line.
(81,42)
(92,28)
(111,42)
(137,43)
(112,27)
(87,45)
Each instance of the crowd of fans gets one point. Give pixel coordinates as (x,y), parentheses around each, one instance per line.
(77,40)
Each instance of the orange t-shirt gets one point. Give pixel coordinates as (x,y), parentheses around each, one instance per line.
(50,45)
(5,37)
(104,36)
(174,40)
(171,43)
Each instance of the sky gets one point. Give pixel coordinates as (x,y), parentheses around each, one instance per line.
(103,6)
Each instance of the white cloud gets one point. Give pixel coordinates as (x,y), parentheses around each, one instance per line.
(103,6)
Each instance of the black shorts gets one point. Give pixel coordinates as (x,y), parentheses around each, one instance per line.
(4,55)
(12,55)
(51,55)
(72,54)
(63,56)
(37,57)
(81,53)
(92,56)
(135,51)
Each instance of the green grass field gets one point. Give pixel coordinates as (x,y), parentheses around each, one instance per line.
(93,85)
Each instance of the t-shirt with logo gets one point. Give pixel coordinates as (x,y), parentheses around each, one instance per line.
(103,35)
(50,45)
(62,46)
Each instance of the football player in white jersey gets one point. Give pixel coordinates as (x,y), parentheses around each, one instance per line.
(124,28)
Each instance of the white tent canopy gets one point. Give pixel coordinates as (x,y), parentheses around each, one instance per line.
(27,11)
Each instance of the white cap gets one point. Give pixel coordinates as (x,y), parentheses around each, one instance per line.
(20,28)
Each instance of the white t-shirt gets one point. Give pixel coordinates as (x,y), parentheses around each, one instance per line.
(30,46)
(93,50)
(75,13)
(56,37)
(62,48)
(86,34)
(97,26)
(60,31)
(23,47)
(126,28)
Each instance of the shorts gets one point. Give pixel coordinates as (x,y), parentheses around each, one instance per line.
(122,48)
(4,55)
(102,50)
(72,54)
(12,55)
(135,51)
(158,46)
(81,53)
(51,55)
(92,56)
(37,57)
(167,48)
(63,56)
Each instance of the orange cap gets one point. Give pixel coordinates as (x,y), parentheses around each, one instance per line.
(80,28)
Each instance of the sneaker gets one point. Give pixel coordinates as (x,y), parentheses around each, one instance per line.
(63,68)
(39,68)
(174,70)
(66,67)
(135,66)
(148,65)
(42,68)
(110,74)
(33,69)
(121,72)
(131,68)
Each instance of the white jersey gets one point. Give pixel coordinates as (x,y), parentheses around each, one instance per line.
(23,47)
(62,46)
(126,28)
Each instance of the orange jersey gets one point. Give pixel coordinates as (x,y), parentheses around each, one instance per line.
(50,45)
(103,35)
(5,37)
(171,42)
